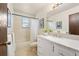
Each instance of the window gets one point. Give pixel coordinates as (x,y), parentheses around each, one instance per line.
(25,22)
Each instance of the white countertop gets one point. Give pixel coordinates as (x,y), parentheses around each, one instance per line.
(74,44)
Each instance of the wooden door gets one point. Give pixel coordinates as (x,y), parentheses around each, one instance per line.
(74,24)
(3,29)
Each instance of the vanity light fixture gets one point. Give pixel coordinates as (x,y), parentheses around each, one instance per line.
(56,5)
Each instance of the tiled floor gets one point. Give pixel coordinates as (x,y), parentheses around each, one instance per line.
(22,50)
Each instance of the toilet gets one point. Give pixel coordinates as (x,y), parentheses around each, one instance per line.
(33,46)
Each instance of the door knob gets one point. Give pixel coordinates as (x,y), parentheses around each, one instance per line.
(5,43)
(8,43)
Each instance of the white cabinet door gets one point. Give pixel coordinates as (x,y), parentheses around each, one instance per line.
(48,48)
(63,51)
(77,53)
(44,47)
(43,51)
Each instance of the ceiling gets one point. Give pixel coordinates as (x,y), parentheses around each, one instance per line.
(29,8)
(34,8)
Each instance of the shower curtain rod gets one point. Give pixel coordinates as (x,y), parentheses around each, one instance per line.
(24,16)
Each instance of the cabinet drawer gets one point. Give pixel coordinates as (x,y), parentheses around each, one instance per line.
(63,51)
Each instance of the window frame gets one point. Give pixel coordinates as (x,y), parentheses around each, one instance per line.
(25,20)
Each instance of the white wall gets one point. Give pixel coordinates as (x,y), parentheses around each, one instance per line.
(34,29)
(22,13)
(10,36)
(61,16)
(21,35)
(10,6)
(44,11)
(64,17)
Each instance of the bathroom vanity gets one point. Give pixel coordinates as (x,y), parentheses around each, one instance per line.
(56,46)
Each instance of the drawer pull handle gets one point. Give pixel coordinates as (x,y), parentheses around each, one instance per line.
(53,47)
